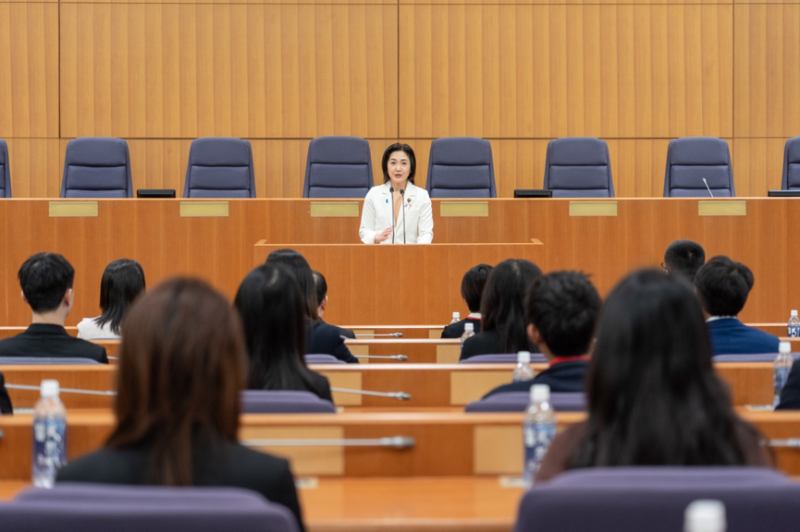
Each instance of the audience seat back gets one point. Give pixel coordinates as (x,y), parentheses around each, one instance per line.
(536,358)
(284,402)
(45,361)
(323,359)
(518,402)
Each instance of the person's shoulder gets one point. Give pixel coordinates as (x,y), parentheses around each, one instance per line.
(259,467)
(421,192)
(375,191)
(522,386)
(105,465)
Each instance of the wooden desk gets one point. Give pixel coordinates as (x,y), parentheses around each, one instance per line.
(425,504)
(220,248)
(430,385)
(446,444)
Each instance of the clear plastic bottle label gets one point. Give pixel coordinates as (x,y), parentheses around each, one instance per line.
(537,438)
(794,331)
(779,375)
(49,448)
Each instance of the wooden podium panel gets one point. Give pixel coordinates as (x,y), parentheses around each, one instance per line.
(420,281)
(220,248)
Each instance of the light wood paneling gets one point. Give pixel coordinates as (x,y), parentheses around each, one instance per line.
(163,71)
(552,71)
(767,52)
(757,165)
(36,166)
(28,70)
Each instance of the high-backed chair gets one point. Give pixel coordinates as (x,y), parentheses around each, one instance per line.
(220,167)
(461,167)
(518,402)
(284,402)
(104,507)
(578,167)
(97,167)
(338,167)
(633,499)
(791,165)
(691,159)
(5,173)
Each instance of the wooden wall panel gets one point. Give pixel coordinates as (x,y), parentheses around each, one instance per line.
(163,71)
(757,165)
(36,166)
(28,70)
(551,71)
(767,52)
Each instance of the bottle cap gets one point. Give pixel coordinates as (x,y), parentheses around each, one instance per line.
(457,315)
(523,357)
(794,313)
(784,347)
(540,393)
(705,516)
(469,327)
(49,388)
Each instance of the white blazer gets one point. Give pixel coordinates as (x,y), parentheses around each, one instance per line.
(377,216)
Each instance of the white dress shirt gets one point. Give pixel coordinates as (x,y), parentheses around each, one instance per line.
(88,330)
(416,209)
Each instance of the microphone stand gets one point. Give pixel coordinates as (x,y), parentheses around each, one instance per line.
(391,198)
(403,206)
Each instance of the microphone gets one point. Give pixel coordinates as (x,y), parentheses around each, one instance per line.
(402,203)
(391,197)
(707,187)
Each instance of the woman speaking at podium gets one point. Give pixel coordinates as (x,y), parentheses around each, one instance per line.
(397,212)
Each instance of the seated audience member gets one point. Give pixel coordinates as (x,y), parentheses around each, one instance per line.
(272,312)
(182,368)
(5,400)
(471,289)
(562,310)
(653,396)
(722,286)
(321,338)
(505,327)
(46,280)
(790,396)
(122,282)
(322,302)
(684,258)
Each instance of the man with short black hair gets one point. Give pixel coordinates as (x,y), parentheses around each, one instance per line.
(471,290)
(723,286)
(685,258)
(46,280)
(562,309)
(322,302)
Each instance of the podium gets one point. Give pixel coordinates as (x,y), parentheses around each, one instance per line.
(415,284)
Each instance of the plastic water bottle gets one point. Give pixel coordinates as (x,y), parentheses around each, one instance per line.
(469,332)
(704,516)
(523,371)
(781,368)
(457,318)
(49,436)
(538,430)
(793,327)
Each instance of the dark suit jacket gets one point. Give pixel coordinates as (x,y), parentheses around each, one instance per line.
(324,339)
(320,385)
(561,377)
(342,332)
(5,400)
(42,340)
(487,343)
(790,396)
(225,465)
(730,336)
(455,330)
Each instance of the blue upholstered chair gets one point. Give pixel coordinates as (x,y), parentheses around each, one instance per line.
(578,167)
(220,167)
(284,402)
(691,159)
(5,173)
(338,167)
(791,165)
(461,167)
(97,167)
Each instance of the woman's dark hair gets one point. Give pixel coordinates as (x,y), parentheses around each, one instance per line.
(405,148)
(273,314)
(472,286)
(503,302)
(122,282)
(298,265)
(653,396)
(181,368)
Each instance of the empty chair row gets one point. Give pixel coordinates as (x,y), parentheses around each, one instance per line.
(459,167)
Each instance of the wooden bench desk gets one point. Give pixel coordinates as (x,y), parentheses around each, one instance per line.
(445,444)
(430,385)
